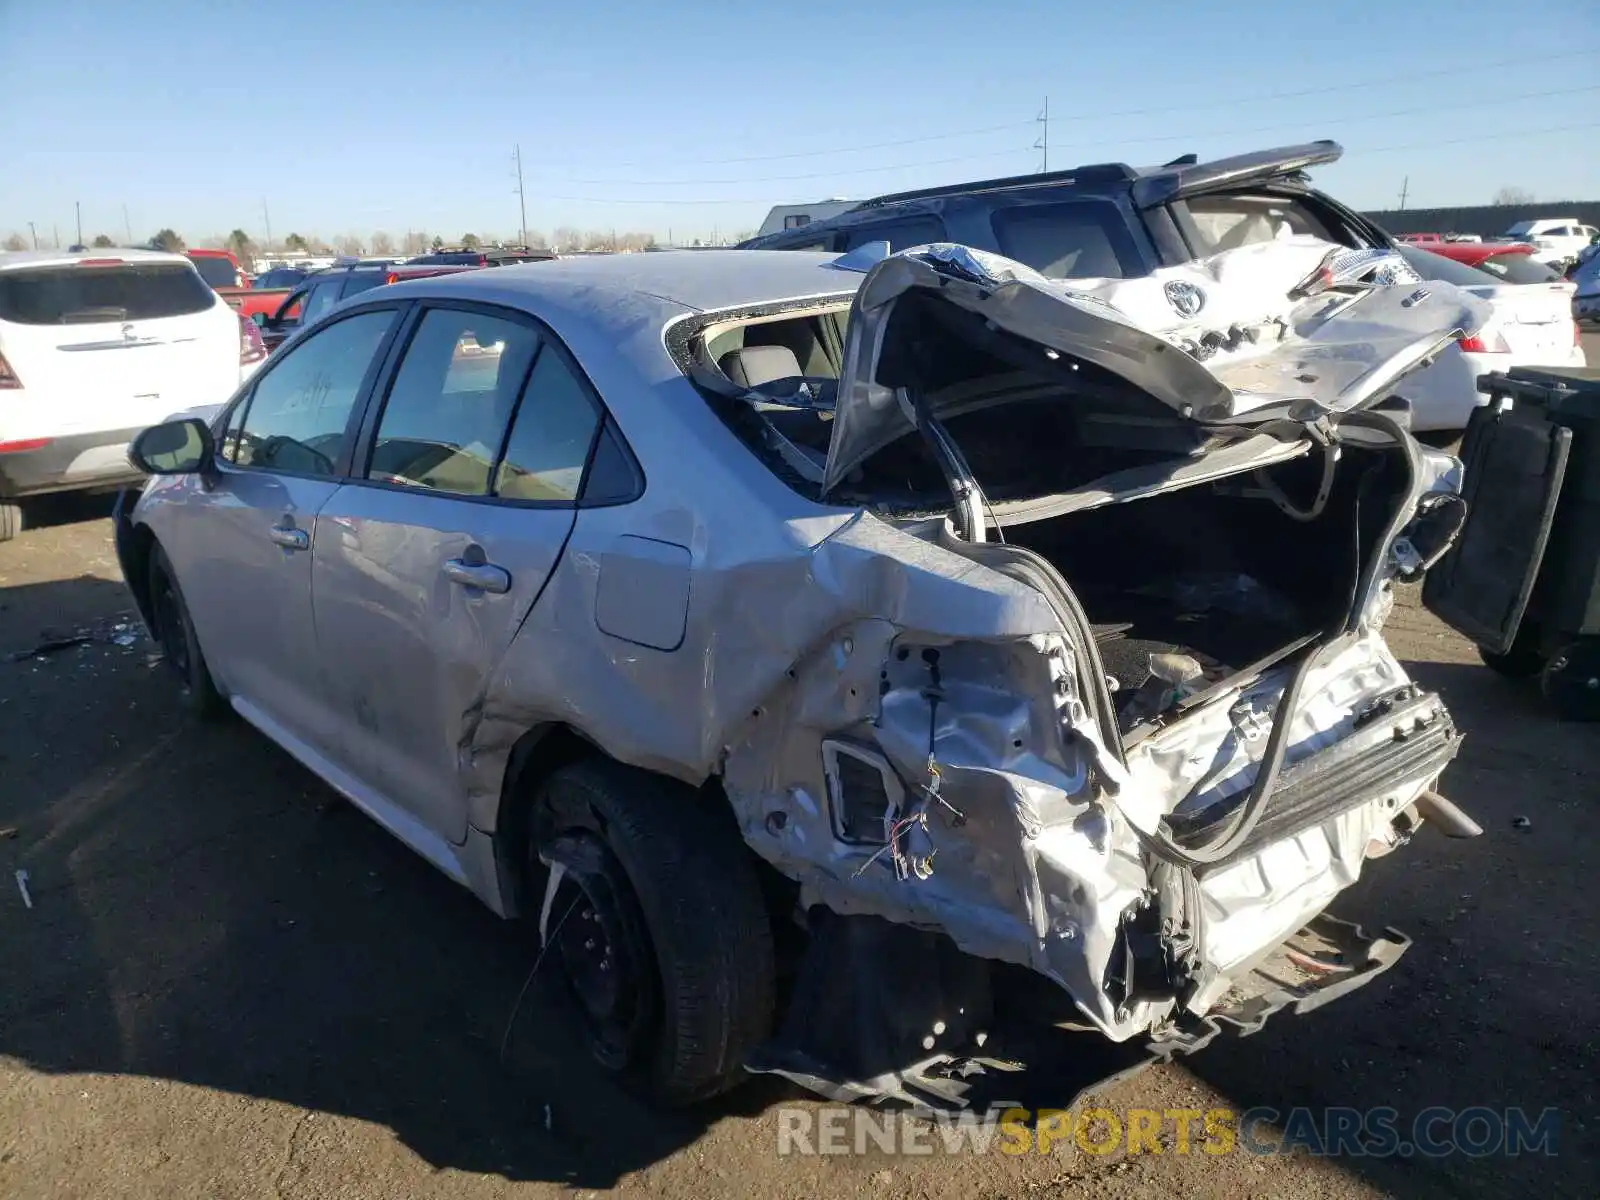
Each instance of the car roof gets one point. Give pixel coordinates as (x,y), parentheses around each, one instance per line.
(617,289)
(12,259)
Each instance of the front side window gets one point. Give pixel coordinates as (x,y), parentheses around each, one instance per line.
(296,416)
(451,401)
(796,220)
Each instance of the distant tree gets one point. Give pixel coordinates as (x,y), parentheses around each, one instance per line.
(167,240)
(536,240)
(295,242)
(102,242)
(382,244)
(243,248)
(350,244)
(16,242)
(470,241)
(566,239)
(416,242)
(1513,195)
(437,243)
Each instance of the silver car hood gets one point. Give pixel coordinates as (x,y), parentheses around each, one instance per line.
(1244,335)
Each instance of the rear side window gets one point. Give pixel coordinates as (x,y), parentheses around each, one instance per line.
(217,272)
(296,417)
(550,441)
(1226,222)
(321,298)
(362,282)
(76,295)
(1080,240)
(901,234)
(1517,268)
(451,401)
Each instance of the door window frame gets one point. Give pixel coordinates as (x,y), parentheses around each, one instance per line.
(358,462)
(352,427)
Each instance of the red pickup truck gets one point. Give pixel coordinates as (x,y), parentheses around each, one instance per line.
(221,270)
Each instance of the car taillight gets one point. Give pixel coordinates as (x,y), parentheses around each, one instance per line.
(8,377)
(391,277)
(1477,345)
(251,348)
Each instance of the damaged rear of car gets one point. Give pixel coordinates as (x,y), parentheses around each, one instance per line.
(1142,727)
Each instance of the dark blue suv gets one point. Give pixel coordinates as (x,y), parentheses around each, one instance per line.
(1108,220)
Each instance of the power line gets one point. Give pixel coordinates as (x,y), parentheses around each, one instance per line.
(1475,67)
(768,199)
(1491,101)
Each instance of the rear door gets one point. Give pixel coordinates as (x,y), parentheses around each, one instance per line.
(112,344)
(431,556)
(243,557)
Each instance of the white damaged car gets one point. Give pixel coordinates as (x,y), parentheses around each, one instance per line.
(920,632)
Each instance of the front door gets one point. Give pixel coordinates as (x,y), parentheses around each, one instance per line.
(429,559)
(246,571)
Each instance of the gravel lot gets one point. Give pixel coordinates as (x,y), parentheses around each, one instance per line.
(232,984)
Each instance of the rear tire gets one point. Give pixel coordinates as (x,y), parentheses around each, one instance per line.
(10,520)
(1571,680)
(1519,662)
(179,645)
(661,930)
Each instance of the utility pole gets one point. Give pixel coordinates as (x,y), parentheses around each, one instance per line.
(77,206)
(127,226)
(55,235)
(34,233)
(522,200)
(266,219)
(1405,187)
(1043,144)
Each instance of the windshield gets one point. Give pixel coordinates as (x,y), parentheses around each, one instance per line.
(1436,266)
(73,294)
(448,259)
(217,272)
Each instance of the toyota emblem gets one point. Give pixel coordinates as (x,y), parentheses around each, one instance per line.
(1185,298)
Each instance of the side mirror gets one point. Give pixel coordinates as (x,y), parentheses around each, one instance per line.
(174,448)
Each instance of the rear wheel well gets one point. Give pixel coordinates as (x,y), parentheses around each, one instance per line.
(538,753)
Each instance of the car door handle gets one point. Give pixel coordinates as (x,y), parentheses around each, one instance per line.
(289,537)
(486,577)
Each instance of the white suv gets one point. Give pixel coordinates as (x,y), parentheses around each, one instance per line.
(94,347)
(1560,240)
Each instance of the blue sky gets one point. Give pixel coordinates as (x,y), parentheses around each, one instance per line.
(350,116)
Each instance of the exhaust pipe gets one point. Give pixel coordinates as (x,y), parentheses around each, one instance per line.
(1451,821)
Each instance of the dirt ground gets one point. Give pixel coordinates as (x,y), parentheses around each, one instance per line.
(231,984)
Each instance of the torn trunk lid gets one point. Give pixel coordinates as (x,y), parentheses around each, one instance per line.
(1297,327)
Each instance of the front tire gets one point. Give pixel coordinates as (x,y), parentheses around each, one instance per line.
(180,646)
(660,928)
(10,520)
